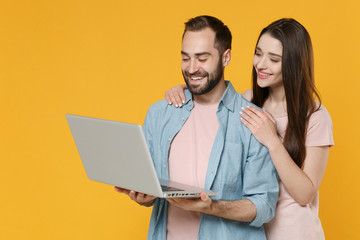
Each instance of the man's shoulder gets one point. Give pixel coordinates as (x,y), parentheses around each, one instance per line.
(160,109)
(159,105)
(241,101)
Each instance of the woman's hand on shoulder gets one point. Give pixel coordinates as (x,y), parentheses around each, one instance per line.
(175,95)
(261,124)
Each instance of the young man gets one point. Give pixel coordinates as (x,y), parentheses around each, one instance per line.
(204,144)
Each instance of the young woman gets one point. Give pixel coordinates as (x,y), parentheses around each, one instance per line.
(293,125)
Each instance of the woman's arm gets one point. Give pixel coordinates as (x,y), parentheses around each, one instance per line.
(302,184)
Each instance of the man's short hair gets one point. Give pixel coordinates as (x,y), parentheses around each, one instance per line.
(222,33)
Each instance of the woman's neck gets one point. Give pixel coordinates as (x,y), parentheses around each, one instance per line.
(277,94)
(276,102)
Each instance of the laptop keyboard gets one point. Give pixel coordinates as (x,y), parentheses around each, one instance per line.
(167,188)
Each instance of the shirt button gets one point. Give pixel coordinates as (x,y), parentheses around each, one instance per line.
(190,103)
(169,140)
(183,119)
(164,165)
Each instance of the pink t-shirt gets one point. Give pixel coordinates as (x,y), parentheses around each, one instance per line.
(188,161)
(293,221)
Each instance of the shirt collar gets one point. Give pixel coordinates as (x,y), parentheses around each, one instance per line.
(227,99)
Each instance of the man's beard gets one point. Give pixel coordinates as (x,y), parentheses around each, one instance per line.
(212,80)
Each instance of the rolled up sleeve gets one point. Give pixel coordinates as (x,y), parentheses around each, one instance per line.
(261,184)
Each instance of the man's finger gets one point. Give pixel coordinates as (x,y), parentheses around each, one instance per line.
(122,190)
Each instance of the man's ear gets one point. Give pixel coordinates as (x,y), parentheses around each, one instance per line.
(226,57)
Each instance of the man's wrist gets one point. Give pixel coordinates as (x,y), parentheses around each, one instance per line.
(210,210)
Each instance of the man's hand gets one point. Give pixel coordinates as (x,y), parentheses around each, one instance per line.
(202,204)
(242,210)
(140,198)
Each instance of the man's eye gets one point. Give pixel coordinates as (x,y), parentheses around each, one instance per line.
(202,60)
(274,60)
(185,59)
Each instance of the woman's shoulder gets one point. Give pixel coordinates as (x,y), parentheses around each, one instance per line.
(248,94)
(320,128)
(321,114)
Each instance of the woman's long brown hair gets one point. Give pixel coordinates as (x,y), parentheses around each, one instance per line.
(298,81)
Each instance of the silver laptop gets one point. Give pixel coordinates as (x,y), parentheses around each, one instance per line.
(116,153)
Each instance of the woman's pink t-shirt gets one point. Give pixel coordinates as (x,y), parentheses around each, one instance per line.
(293,221)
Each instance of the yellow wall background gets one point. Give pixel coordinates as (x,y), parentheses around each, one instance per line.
(112,59)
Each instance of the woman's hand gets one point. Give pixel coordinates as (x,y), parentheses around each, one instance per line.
(261,124)
(176,95)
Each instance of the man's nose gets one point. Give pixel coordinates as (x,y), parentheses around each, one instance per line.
(193,68)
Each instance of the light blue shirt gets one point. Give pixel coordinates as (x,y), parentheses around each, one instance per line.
(239,167)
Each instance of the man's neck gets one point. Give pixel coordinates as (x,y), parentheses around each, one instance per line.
(212,97)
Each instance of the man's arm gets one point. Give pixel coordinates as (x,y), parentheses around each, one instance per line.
(239,210)
(261,184)
(260,192)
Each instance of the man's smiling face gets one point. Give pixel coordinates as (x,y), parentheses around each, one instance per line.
(201,65)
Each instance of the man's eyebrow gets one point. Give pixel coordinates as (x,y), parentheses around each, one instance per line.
(270,53)
(196,54)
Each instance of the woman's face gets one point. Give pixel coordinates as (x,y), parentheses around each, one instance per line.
(267,62)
